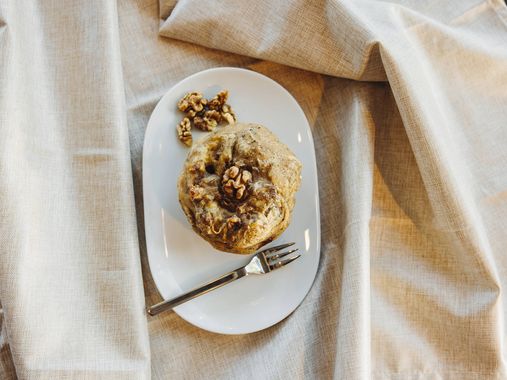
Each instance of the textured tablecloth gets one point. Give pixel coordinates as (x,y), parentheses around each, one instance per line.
(407,104)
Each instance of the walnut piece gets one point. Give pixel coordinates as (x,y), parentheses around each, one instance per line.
(218,100)
(196,193)
(184,133)
(192,103)
(232,221)
(235,182)
(219,104)
(204,123)
(228,114)
(213,115)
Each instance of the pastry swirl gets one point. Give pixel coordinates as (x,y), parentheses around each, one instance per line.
(238,187)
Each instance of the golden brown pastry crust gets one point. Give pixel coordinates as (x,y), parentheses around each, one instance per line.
(238,187)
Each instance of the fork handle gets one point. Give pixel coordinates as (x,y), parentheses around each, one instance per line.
(199,291)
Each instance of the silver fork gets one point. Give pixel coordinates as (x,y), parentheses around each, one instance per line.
(262,262)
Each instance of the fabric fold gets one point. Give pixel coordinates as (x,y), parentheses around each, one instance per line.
(70,280)
(430,257)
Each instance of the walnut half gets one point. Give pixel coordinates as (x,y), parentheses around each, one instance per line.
(218,100)
(192,103)
(209,121)
(235,182)
(228,114)
(219,104)
(184,132)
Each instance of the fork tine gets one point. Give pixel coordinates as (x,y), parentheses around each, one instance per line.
(268,251)
(282,263)
(280,255)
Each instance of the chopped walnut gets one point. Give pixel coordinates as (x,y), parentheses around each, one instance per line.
(192,103)
(184,133)
(219,104)
(213,115)
(230,225)
(228,114)
(205,123)
(235,182)
(203,114)
(233,223)
(218,100)
(233,220)
(196,193)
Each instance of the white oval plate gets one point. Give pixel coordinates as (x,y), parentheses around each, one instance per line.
(180,259)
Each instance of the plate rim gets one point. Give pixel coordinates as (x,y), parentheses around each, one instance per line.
(317,198)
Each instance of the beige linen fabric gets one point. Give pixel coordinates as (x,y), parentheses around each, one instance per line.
(406,100)
(70,279)
(413,183)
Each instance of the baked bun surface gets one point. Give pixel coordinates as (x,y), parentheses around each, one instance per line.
(237,187)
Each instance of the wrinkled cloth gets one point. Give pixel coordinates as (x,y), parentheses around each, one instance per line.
(70,279)
(406,101)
